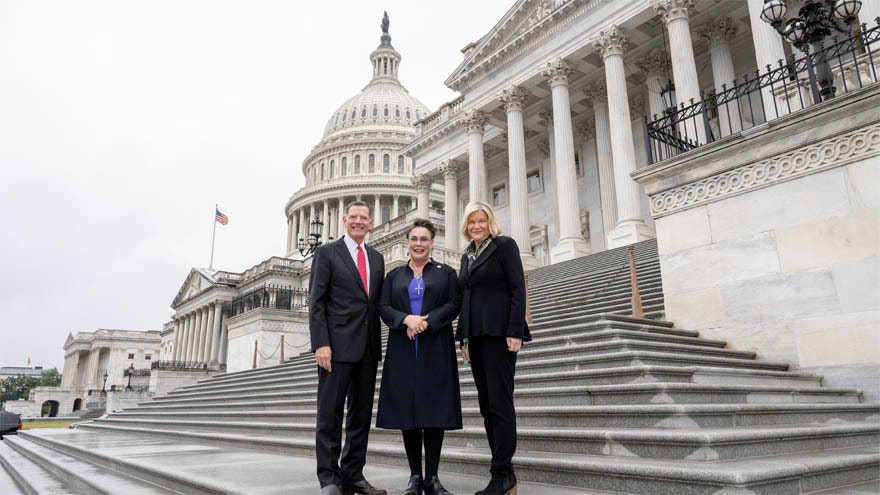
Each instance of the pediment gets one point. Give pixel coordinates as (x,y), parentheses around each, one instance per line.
(70,340)
(196,282)
(525,20)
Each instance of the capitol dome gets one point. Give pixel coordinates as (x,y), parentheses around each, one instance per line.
(359,158)
(383,102)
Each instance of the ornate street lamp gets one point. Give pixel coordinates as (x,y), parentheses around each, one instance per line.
(104,386)
(812,24)
(667,93)
(316,228)
(130,372)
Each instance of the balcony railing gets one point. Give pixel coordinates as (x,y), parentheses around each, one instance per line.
(187,366)
(790,87)
(271,296)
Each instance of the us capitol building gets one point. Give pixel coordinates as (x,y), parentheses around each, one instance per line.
(591,125)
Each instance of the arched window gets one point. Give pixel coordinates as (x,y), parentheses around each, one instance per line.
(354,113)
(386,213)
(364,112)
(408,116)
(386,164)
(323,170)
(372,168)
(344,116)
(375,111)
(401,169)
(344,170)
(397,112)
(357,164)
(385,112)
(332,168)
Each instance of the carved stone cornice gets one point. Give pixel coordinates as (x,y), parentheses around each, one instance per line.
(720,31)
(475,121)
(670,10)
(804,161)
(595,93)
(557,72)
(514,98)
(654,63)
(611,41)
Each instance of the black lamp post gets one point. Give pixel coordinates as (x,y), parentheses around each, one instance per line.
(806,31)
(104,386)
(316,228)
(130,372)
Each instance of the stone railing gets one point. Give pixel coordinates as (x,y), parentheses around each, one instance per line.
(443,114)
(273,263)
(187,366)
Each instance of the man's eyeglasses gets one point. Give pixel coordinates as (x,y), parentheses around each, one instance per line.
(423,240)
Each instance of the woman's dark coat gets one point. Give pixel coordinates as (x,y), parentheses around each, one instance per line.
(493,293)
(423,391)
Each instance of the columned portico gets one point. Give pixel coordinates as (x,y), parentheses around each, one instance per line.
(477,175)
(514,99)
(450,170)
(630,227)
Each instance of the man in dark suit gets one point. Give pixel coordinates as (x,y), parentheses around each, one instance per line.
(344,290)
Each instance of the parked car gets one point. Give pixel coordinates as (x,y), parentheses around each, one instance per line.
(10,423)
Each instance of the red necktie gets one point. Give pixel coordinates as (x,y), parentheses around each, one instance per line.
(362,269)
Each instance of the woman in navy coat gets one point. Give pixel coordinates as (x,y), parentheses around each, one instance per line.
(420,391)
(492,328)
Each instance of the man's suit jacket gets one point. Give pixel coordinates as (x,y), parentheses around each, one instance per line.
(493,293)
(340,313)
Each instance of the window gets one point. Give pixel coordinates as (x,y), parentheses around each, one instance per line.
(357,164)
(372,168)
(130,355)
(344,170)
(533,180)
(345,116)
(400,166)
(385,112)
(148,357)
(332,168)
(499,195)
(353,113)
(408,116)
(386,213)
(364,112)
(323,170)
(386,163)
(578,167)
(375,111)
(397,112)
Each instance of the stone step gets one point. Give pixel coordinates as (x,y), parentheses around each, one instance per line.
(786,473)
(606,321)
(599,286)
(700,444)
(636,345)
(81,476)
(8,486)
(29,477)
(666,416)
(199,468)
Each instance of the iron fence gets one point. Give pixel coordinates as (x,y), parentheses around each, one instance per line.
(271,296)
(187,366)
(755,99)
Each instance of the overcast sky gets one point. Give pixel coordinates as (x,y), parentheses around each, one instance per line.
(123,122)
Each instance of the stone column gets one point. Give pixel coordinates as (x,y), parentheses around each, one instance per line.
(224,340)
(630,227)
(91,374)
(325,217)
(604,156)
(477,174)
(587,131)
(303,226)
(377,210)
(655,67)
(184,322)
(71,369)
(514,100)
(194,336)
(209,333)
(178,338)
(215,330)
(203,335)
(571,243)
(548,149)
(768,52)
(294,230)
(308,226)
(450,169)
(422,184)
(718,35)
(684,70)
(339,225)
(395,206)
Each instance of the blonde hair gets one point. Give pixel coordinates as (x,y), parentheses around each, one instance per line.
(473,207)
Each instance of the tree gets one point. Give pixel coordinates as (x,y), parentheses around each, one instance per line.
(50,378)
(17,387)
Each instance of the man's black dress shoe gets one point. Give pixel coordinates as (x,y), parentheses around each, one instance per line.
(433,487)
(414,487)
(363,487)
(330,490)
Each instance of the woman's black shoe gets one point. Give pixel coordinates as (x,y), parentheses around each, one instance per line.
(415,485)
(505,485)
(433,487)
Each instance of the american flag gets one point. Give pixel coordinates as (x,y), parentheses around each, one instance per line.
(220,217)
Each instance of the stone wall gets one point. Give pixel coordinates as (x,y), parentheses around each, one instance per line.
(771,242)
(266,326)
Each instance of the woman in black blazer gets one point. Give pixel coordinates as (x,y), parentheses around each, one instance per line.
(420,391)
(491,329)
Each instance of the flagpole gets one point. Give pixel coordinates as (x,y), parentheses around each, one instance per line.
(213,236)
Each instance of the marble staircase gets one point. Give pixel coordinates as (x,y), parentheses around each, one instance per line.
(606,403)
